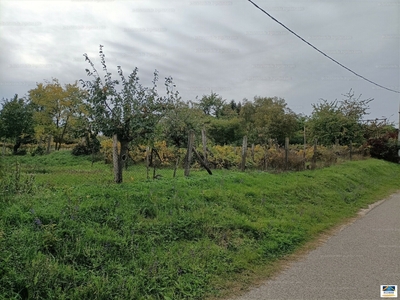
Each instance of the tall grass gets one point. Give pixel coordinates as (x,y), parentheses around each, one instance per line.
(78,236)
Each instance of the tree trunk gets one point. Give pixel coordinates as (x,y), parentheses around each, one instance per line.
(48,144)
(176,165)
(204,141)
(16,145)
(351,149)
(266,158)
(63,133)
(116,164)
(119,158)
(189,153)
(244,154)
(148,161)
(314,158)
(286,153)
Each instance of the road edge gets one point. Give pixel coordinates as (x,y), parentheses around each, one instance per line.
(301,253)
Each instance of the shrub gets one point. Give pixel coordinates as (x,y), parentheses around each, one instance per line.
(39,150)
(86,149)
(14,182)
(21,152)
(80,149)
(384,147)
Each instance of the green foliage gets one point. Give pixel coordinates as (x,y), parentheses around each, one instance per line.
(182,238)
(80,149)
(212,105)
(129,113)
(132,111)
(338,120)
(174,127)
(273,119)
(91,146)
(226,131)
(56,109)
(267,118)
(384,147)
(16,121)
(378,127)
(39,150)
(13,181)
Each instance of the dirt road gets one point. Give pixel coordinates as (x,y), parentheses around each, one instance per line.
(352,264)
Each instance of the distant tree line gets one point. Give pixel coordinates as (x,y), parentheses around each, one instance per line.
(132,114)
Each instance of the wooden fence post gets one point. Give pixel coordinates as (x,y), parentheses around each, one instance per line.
(189,152)
(147,161)
(201,161)
(176,165)
(244,153)
(286,153)
(351,149)
(314,158)
(204,140)
(4,147)
(48,144)
(265,167)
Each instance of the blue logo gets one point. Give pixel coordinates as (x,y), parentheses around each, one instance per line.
(388,291)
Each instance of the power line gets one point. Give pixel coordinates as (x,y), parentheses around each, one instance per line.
(343,66)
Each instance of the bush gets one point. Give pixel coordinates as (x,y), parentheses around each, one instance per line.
(38,151)
(21,152)
(83,149)
(80,149)
(14,182)
(384,147)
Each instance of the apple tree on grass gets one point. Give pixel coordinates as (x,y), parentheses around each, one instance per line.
(124,109)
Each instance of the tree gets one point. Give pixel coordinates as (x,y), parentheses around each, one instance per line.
(269,118)
(384,146)
(82,128)
(276,117)
(55,108)
(178,121)
(378,127)
(16,121)
(247,115)
(226,131)
(212,105)
(127,113)
(339,120)
(235,107)
(298,137)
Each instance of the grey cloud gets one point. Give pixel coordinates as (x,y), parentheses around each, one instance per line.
(229,47)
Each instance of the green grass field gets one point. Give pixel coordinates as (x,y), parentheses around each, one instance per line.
(68,232)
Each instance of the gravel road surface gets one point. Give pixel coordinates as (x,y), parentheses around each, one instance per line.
(350,265)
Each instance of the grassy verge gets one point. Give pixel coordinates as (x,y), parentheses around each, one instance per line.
(75,235)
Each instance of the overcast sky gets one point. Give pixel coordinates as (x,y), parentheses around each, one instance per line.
(228,47)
